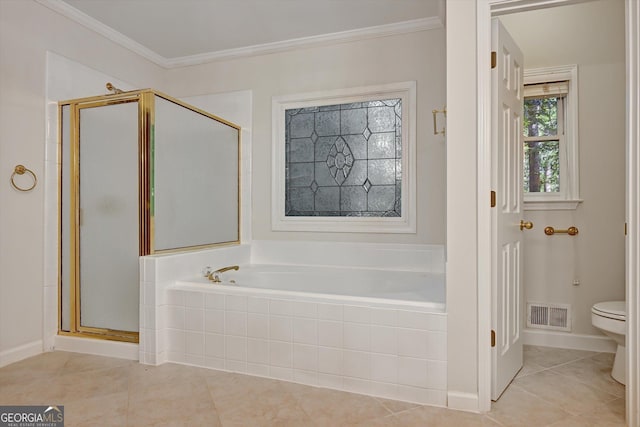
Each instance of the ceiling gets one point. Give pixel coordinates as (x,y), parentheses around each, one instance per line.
(172,29)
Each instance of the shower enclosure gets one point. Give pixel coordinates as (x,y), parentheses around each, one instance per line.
(141,173)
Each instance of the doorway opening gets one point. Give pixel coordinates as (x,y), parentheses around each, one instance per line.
(632,17)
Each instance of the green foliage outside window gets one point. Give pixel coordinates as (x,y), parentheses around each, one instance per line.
(541,157)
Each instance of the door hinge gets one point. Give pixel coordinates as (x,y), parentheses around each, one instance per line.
(493,199)
(625,228)
(494,60)
(493,338)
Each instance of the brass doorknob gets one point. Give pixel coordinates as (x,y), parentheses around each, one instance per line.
(525,224)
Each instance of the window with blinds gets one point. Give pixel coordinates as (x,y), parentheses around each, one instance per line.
(550,161)
(544,132)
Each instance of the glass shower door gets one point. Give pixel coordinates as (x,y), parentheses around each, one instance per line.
(109,226)
(100,231)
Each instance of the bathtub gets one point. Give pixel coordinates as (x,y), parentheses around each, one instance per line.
(384,287)
(374,332)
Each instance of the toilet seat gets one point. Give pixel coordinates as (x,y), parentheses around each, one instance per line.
(615,310)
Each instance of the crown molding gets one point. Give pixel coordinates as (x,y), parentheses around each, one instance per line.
(503,7)
(386,30)
(415,25)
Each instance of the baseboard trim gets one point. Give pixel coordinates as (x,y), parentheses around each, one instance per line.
(598,343)
(462,401)
(120,350)
(24,351)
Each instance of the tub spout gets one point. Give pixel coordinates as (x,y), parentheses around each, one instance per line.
(231,267)
(215,275)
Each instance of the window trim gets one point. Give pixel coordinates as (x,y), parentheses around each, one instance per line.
(406,223)
(569,198)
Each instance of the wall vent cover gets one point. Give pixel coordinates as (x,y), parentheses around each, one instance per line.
(549,316)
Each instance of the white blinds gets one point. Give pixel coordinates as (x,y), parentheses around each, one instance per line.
(546,89)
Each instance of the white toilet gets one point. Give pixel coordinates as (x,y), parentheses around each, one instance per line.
(610,317)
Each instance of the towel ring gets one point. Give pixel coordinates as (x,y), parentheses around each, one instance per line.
(20,170)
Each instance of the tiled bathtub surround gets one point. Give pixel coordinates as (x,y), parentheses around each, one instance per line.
(157,273)
(387,352)
(395,351)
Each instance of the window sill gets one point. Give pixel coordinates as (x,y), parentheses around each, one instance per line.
(551,205)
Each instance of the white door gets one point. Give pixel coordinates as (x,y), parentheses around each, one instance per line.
(506,136)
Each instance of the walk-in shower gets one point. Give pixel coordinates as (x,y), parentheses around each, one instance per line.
(140,173)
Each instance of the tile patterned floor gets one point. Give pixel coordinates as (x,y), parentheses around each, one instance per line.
(556,387)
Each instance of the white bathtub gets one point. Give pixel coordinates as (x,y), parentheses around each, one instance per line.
(375,332)
(384,287)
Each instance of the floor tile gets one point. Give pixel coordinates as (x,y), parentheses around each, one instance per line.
(142,377)
(529,368)
(31,370)
(43,364)
(566,393)
(174,403)
(99,383)
(609,415)
(333,408)
(605,359)
(516,407)
(58,388)
(270,413)
(556,387)
(233,389)
(242,400)
(107,410)
(442,417)
(395,406)
(387,421)
(77,363)
(592,372)
(549,356)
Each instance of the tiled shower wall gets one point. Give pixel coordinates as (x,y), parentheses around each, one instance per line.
(344,159)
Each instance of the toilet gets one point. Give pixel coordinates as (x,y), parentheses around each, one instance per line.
(610,317)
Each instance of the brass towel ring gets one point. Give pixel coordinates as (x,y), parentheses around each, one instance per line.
(20,170)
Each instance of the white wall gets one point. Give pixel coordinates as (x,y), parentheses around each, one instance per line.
(416,56)
(590,35)
(27,31)
(462,245)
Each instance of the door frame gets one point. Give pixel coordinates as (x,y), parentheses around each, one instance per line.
(484,11)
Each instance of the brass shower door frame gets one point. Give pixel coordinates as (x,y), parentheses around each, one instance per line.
(152,250)
(146,124)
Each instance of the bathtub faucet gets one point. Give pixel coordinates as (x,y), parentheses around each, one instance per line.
(214,276)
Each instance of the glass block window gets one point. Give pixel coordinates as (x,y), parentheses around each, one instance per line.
(344,159)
